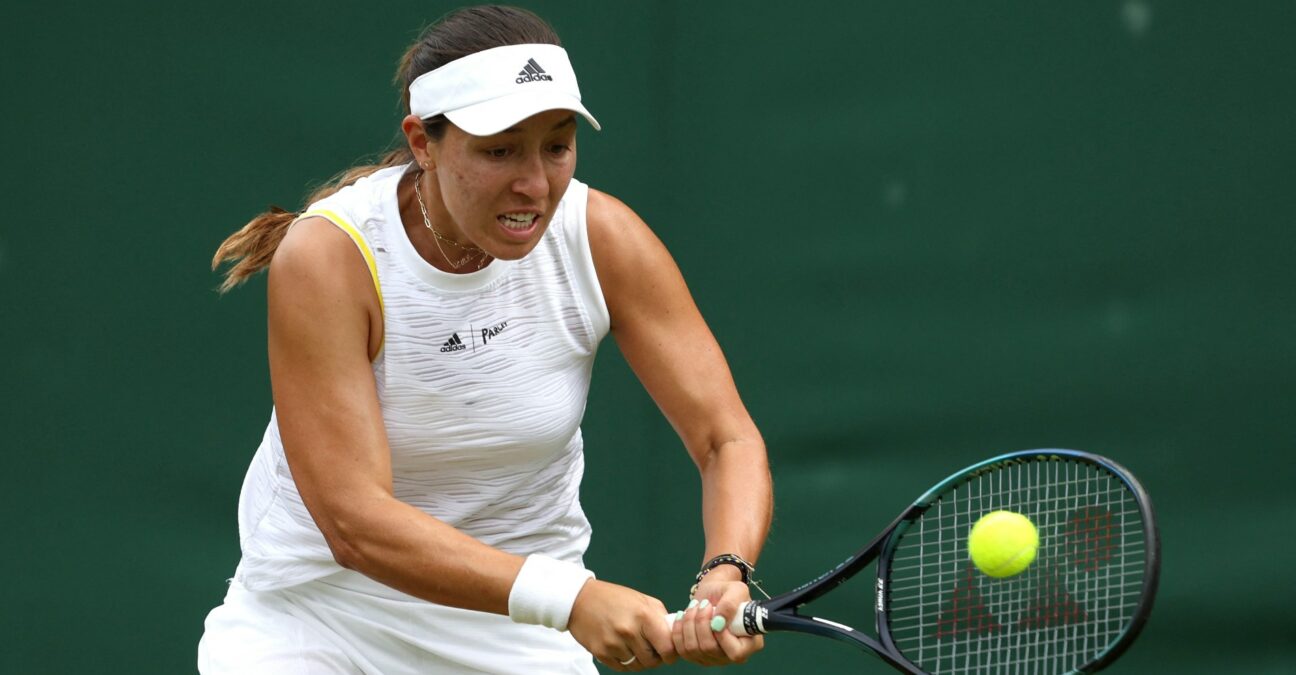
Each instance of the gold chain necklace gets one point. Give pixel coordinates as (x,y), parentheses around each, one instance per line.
(470,252)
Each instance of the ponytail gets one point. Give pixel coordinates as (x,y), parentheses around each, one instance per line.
(251,248)
(464,32)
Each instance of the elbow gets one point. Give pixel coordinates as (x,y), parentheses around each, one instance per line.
(343,536)
(351,522)
(732,452)
(345,554)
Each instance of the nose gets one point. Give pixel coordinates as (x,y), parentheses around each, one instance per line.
(531,179)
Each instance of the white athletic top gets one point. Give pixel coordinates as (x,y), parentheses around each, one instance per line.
(482,379)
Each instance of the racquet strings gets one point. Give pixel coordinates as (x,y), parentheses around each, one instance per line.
(1074,601)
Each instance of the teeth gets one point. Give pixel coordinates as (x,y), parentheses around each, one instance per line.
(518,221)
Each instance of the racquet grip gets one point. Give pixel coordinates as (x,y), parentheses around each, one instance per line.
(736,625)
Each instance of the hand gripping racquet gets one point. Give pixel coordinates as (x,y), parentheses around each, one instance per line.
(1075,609)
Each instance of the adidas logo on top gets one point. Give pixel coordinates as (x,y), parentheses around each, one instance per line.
(532,72)
(454,344)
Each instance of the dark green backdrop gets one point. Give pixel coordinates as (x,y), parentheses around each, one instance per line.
(924,233)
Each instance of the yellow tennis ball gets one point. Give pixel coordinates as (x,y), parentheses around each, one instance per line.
(1003,543)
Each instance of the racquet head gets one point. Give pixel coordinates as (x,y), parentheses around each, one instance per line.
(1074,609)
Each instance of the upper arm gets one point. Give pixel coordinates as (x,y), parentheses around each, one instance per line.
(661,332)
(321,310)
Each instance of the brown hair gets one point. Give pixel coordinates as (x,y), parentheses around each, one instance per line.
(466,31)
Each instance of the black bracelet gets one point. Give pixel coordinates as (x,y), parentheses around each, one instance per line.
(744,567)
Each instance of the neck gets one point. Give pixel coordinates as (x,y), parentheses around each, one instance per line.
(443,252)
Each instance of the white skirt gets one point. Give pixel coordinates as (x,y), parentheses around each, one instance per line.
(349,624)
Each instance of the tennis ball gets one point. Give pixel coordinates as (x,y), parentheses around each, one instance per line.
(1003,543)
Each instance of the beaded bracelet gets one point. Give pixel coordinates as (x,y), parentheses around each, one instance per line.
(745,568)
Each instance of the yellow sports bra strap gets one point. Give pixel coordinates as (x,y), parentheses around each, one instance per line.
(361,244)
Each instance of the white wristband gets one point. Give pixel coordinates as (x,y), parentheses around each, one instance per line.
(545,590)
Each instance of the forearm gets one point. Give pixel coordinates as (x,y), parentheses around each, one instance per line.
(737,499)
(402,547)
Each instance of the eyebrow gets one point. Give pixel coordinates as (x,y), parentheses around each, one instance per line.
(571,120)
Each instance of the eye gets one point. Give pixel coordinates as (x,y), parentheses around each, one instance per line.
(559,148)
(497,153)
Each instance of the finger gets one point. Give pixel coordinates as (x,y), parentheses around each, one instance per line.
(739,649)
(688,634)
(644,656)
(657,637)
(706,637)
(613,663)
(728,611)
(677,634)
(699,645)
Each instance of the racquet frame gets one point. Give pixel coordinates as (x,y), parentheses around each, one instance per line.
(782,612)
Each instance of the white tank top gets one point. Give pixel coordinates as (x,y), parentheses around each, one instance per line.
(482,380)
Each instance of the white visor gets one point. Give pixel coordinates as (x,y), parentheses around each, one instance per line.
(489,91)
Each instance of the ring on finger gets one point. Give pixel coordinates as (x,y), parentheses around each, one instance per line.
(628,661)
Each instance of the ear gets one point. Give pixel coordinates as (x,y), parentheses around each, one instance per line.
(424,149)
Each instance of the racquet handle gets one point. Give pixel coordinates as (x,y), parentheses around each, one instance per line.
(749,614)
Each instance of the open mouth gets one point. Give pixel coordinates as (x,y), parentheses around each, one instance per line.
(519,225)
(518,221)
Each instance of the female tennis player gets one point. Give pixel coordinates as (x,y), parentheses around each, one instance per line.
(413,506)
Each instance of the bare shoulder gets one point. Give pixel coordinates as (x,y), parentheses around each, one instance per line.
(316,255)
(320,288)
(638,275)
(619,239)
(603,207)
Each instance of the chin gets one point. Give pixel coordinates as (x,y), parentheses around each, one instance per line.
(516,250)
(513,251)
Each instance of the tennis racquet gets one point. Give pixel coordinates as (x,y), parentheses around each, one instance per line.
(1075,609)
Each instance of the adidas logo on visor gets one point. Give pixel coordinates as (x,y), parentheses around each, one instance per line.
(532,72)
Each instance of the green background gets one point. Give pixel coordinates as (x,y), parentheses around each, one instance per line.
(924,233)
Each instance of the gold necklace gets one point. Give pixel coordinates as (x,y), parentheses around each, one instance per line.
(469,251)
